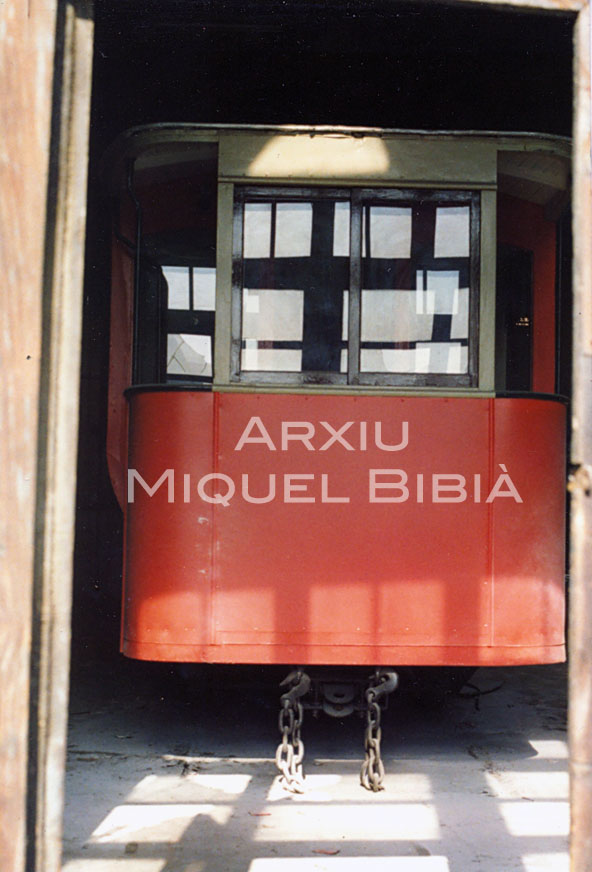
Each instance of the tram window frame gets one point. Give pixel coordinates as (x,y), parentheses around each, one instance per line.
(157,321)
(188,320)
(359,198)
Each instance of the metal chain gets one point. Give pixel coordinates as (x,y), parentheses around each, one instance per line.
(290,751)
(372,771)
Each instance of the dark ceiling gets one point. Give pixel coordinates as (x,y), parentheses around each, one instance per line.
(390,64)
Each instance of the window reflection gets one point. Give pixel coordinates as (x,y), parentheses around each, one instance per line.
(292,285)
(204,288)
(390,231)
(189,316)
(393,316)
(191,287)
(451,237)
(341,230)
(189,355)
(277,230)
(272,315)
(430,357)
(270,319)
(414,286)
(293,230)
(415,299)
(257,230)
(177,279)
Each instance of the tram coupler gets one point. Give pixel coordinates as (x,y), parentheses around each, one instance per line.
(338,699)
(338,695)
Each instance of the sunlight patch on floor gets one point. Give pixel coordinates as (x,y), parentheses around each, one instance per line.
(350,864)
(156,822)
(538,819)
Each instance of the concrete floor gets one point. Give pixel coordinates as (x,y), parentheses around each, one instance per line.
(171,774)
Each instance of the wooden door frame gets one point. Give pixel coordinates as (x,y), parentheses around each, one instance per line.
(45,82)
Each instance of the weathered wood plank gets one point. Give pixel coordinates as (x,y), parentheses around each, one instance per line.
(580,636)
(45,72)
(58,433)
(26,61)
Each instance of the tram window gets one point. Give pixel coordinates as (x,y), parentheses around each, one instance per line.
(191,287)
(409,260)
(294,274)
(415,320)
(190,308)
(272,317)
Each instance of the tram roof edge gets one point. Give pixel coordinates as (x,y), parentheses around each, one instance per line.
(136,140)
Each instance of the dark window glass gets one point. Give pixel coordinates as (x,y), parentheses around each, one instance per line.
(191,303)
(514,319)
(364,286)
(415,288)
(294,276)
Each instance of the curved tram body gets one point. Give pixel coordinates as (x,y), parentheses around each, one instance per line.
(340,441)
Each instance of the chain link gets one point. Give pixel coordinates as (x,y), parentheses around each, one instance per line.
(290,751)
(372,771)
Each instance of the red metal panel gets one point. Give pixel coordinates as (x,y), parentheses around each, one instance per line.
(168,545)
(356,573)
(305,578)
(529,556)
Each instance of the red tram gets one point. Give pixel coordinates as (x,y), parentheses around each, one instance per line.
(334,422)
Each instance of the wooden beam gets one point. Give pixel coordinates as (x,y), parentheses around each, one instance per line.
(580,631)
(45,85)
(58,434)
(26,64)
